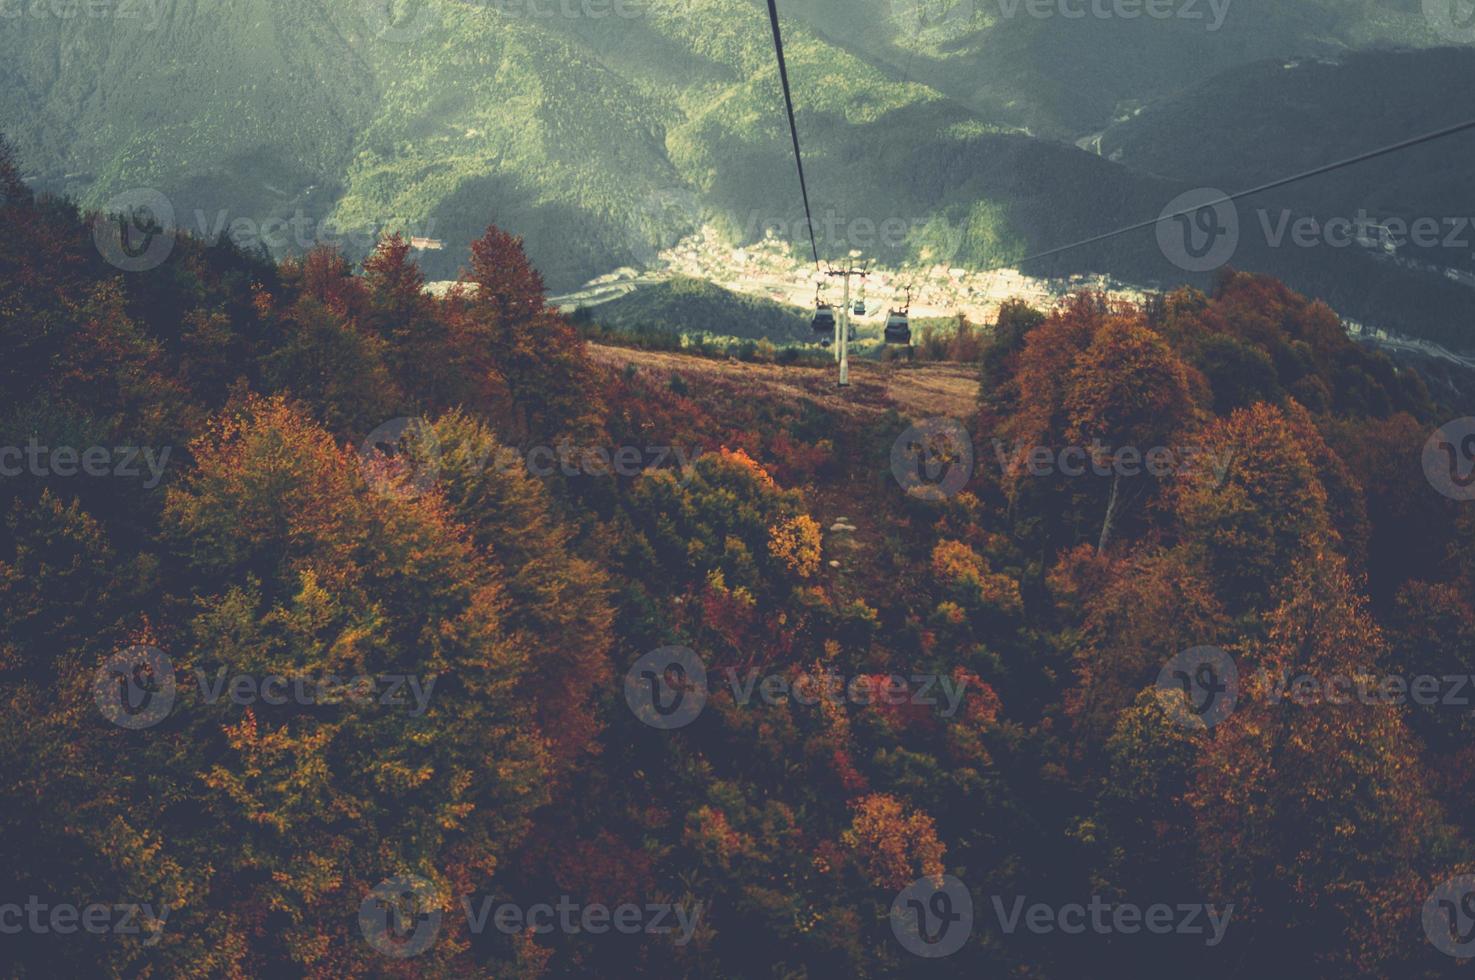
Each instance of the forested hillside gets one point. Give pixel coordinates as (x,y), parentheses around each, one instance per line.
(927,652)
(685,307)
(602,140)
(1063,70)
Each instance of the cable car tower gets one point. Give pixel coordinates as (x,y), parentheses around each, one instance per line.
(844,332)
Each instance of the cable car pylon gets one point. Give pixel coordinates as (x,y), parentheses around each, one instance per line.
(844,332)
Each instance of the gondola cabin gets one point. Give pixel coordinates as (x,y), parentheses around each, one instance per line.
(899,329)
(823,323)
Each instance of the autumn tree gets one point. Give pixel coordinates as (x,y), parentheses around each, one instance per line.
(1251,505)
(417,341)
(73,820)
(505,332)
(999,362)
(1146,609)
(1286,769)
(557,601)
(1128,391)
(895,845)
(302,569)
(727,514)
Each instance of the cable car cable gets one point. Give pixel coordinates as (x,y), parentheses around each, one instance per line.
(783,74)
(1229,198)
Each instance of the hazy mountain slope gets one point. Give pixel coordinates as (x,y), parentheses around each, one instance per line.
(253,111)
(572,133)
(1261,122)
(604,140)
(1265,121)
(236,106)
(498,119)
(1065,77)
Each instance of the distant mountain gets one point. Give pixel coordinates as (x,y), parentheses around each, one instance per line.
(599,140)
(603,140)
(1060,71)
(256,111)
(1263,121)
(1258,123)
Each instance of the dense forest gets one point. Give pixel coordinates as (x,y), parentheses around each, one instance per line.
(340,620)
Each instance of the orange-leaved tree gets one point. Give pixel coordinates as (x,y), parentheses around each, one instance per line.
(299,567)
